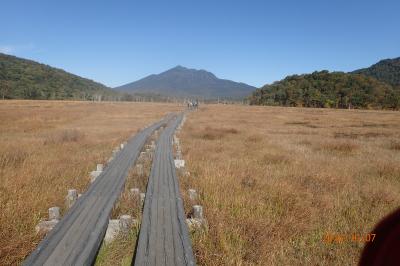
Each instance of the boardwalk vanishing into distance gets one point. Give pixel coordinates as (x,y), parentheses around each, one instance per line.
(164,238)
(76,239)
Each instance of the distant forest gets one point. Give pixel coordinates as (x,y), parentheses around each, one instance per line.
(325,89)
(376,87)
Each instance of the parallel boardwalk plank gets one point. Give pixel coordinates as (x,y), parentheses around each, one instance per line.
(164,237)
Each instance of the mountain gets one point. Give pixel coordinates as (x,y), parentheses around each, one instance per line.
(184,82)
(329,89)
(387,70)
(26,79)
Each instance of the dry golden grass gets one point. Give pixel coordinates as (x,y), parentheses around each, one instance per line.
(274,181)
(48,147)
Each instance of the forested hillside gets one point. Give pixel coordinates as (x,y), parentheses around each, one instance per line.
(325,89)
(26,79)
(387,70)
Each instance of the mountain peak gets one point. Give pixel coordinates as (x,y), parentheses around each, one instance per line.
(180,81)
(179,67)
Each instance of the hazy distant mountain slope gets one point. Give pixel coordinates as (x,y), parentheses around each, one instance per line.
(26,79)
(387,70)
(183,82)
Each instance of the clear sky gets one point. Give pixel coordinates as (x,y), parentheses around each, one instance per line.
(257,42)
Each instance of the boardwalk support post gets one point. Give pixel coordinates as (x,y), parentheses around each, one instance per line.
(125,222)
(142,197)
(95,174)
(135,194)
(179,163)
(54,213)
(198,212)
(71,198)
(139,169)
(192,194)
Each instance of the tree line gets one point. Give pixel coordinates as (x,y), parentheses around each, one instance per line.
(329,89)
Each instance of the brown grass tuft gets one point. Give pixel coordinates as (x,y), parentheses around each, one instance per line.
(210,133)
(395,145)
(13,157)
(270,158)
(339,146)
(64,136)
(254,139)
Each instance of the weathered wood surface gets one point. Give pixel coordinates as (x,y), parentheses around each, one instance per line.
(75,240)
(164,237)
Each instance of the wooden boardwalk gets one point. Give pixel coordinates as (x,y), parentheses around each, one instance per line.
(76,239)
(164,238)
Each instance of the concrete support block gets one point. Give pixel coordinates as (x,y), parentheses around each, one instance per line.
(45,226)
(142,157)
(192,194)
(179,163)
(142,197)
(71,198)
(94,175)
(139,169)
(125,223)
(112,230)
(176,141)
(116,150)
(178,154)
(149,154)
(198,212)
(99,167)
(197,222)
(119,226)
(194,224)
(54,213)
(135,193)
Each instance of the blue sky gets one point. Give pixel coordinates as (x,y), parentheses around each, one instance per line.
(257,42)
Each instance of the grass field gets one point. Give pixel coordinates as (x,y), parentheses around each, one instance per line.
(275,181)
(49,147)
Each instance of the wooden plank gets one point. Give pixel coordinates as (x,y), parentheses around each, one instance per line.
(164,237)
